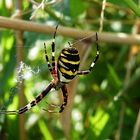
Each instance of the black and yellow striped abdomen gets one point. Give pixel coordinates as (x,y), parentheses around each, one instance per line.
(68,64)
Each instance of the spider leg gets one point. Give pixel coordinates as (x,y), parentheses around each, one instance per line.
(61,107)
(53,49)
(31,104)
(47,59)
(52,106)
(93,62)
(65,95)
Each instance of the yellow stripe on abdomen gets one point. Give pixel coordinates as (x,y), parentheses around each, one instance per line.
(66,52)
(68,72)
(70,62)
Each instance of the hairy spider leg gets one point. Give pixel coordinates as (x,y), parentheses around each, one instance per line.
(62,106)
(53,50)
(83,72)
(65,95)
(47,59)
(52,67)
(31,104)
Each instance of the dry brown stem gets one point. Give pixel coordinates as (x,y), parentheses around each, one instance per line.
(66,31)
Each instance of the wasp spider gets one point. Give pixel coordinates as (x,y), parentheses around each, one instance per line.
(62,71)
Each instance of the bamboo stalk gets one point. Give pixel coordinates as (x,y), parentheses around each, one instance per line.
(107,37)
(20,54)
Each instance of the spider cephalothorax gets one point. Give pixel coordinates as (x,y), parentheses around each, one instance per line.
(62,71)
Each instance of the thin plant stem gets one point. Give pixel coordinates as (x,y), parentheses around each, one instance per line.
(19,53)
(102,15)
(136,127)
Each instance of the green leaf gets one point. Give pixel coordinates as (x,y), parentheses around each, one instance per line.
(77,7)
(114,77)
(133,6)
(44,130)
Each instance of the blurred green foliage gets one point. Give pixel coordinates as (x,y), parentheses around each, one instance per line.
(105,100)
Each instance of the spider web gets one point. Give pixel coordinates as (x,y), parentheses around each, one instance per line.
(23,73)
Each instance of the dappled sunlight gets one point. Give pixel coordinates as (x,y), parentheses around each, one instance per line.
(77,118)
(69,70)
(116,26)
(99,121)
